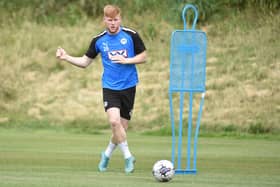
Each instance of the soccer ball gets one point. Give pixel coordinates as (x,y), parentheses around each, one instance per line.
(163,170)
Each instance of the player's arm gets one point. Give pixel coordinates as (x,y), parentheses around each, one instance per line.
(138,59)
(81,62)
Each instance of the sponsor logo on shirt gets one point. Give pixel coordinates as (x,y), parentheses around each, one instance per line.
(122,52)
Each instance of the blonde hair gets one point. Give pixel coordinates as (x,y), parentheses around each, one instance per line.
(111,11)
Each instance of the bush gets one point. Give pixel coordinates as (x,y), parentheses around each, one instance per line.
(258,128)
(72,11)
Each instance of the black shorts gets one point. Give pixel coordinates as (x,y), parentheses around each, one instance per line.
(122,99)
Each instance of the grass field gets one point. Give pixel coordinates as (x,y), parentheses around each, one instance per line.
(48,158)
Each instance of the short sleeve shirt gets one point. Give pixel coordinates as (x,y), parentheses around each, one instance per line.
(127,43)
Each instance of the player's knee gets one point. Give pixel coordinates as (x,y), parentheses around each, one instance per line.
(115,123)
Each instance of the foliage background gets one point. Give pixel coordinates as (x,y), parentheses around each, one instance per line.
(243,64)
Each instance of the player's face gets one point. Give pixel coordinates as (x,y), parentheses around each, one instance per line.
(112,23)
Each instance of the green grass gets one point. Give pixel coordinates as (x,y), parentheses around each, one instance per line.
(48,158)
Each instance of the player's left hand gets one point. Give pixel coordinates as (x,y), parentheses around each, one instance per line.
(119,59)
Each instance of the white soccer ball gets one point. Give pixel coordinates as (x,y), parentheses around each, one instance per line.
(163,170)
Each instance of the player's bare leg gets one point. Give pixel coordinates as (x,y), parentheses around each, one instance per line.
(119,126)
(117,136)
(118,131)
(129,159)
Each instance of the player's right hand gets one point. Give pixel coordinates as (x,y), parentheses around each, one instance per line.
(61,53)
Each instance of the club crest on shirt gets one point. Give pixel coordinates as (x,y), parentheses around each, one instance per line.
(123,41)
(122,52)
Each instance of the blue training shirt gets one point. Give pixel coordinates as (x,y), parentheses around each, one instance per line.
(127,43)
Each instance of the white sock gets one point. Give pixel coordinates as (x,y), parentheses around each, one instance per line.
(110,148)
(124,148)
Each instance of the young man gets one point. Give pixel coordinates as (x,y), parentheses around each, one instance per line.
(120,49)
